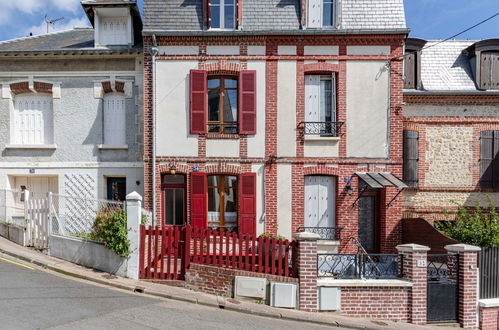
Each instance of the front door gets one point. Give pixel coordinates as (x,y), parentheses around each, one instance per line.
(369,220)
(173,197)
(320,199)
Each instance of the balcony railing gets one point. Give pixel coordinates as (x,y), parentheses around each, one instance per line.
(327,128)
(364,266)
(326,233)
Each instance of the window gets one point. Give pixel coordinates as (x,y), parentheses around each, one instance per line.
(489,70)
(114,119)
(33,123)
(116,189)
(222,14)
(222,105)
(320,192)
(412,63)
(173,197)
(114,30)
(411,158)
(321,13)
(222,202)
(489,159)
(320,105)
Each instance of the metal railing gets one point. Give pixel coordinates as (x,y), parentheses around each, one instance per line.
(230,128)
(360,266)
(326,233)
(327,128)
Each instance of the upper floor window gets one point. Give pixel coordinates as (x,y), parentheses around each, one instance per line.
(114,30)
(114,119)
(33,119)
(222,105)
(321,13)
(222,14)
(489,70)
(489,159)
(411,158)
(412,63)
(320,105)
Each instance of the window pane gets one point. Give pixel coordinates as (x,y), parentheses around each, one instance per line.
(230,83)
(229,16)
(327,13)
(215,14)
(213,180)
(174,179)
(326,100)
(213,199)
(213,105)
(230,106)
(230,181)
(214,83)
(179,207)
(168,207)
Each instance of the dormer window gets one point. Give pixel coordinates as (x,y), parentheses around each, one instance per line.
(113,27)
(321,13)
(222,14)
(484,62)
(412,63)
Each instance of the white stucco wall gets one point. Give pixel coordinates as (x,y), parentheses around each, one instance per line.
(172,106)
(321,50)
(286,108)
(368,50)
(259,169)
(284,199)
(256,143)
(367,109)
(222,148)
(321,149)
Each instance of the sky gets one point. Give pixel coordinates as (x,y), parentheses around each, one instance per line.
(427,19)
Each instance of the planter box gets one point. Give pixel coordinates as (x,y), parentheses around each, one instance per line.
(87,253)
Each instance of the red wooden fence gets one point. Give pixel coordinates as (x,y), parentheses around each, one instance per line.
(165,253)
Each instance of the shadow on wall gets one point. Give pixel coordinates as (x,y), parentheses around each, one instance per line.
(420,231)
(198,4)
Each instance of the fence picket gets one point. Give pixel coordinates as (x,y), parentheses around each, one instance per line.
(141,251)
(253,254)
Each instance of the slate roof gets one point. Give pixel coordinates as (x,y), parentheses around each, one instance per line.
(79,40)
(274,16)
(444,67)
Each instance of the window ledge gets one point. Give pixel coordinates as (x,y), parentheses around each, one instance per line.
(321,138)
(112,147)
(222,136)
(31,146)
(400,283)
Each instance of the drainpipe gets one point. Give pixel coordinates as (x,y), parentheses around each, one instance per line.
(154,52)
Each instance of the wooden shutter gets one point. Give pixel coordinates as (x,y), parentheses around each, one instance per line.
(333,95)
(486,158)
(247,204)
(485,70)
(494,71)
(411,158)
(114,119)
(198,200)
(312,105)
(314,14)
(198,101)
(410,70)
(247,102)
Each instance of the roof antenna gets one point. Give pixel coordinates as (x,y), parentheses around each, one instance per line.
(49,21)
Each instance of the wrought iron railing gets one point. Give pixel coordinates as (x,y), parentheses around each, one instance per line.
(356,266)
(326,128)
(230,128)
(326,233)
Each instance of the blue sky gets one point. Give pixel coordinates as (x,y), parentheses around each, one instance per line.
(428,19)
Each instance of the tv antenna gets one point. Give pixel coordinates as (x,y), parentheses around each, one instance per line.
(50,22)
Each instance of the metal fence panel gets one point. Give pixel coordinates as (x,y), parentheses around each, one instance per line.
(11,207)
(489,273)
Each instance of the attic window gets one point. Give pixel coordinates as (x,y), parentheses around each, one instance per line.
(412,63)
(222,14)
(484,61)
(321,13)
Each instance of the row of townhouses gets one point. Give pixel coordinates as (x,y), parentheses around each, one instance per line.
(256,116)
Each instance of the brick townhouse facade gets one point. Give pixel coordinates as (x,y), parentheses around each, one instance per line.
(266,117)
(451,126)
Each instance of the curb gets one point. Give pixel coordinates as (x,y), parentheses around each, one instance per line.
(224,305)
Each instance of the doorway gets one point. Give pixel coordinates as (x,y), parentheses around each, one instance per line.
(173,196)
(369,206)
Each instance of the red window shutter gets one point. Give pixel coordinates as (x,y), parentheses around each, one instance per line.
(198,200)
(247,204)
(198,101)
(247,102)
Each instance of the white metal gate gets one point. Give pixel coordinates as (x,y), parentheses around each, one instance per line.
(37,223)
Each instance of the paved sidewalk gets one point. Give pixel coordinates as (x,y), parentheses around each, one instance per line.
(177,293)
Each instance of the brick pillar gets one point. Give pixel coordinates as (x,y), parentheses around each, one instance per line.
(468,283)
(307,271)
(489,314)
(415,260)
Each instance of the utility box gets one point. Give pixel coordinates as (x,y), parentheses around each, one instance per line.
(329,298)
(250,287)
(283,295)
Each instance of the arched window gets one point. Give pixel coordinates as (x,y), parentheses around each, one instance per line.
(114,119)
(33,115)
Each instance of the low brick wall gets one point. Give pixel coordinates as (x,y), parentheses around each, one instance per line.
(220,280)
(489,314)
(388,303)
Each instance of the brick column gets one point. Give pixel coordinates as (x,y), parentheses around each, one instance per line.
(307,271)
(489,314)
(468,283)
(415,260)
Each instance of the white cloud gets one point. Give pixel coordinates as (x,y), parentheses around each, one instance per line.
(59,26)
(39,7)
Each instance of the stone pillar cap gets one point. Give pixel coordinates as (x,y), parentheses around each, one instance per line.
(133,196)
(412,248)
(462,248)
(305,236)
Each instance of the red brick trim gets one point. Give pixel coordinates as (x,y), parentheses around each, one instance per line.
(321,68)
(223,168)
(23,87)
(223,67)
(452,99)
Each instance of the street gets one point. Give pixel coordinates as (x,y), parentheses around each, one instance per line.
(31,298)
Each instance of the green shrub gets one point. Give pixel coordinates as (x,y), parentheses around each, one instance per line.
(110,228)
(473,227)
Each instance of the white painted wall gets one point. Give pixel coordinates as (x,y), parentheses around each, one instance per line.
(222,50)
(286,108)
(286,50)
(321,149)
(367,107)
(256,143)
(321,50)
(284,193)
(178,50)
(172,106)
(259,169)
(368,50)
(222,148)
(256,50)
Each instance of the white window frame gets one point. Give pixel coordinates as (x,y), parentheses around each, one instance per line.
(312,87)
(319,7)
(222,16)
(46,136)
(114,138)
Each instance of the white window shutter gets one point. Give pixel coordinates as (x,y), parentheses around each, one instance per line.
(33,118)
(114,30)
(114,119)
(314,14)
(312,102)
(333,95)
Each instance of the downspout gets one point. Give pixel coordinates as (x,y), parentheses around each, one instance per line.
(154,53)
(389,120)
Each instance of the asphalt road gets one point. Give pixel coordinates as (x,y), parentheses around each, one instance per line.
(36,299)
